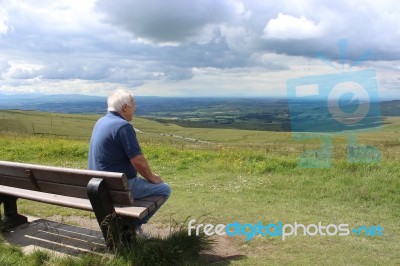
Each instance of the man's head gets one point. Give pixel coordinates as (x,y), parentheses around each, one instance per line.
(122,102)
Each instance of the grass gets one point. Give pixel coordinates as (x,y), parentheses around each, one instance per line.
(176,249)
(245,181)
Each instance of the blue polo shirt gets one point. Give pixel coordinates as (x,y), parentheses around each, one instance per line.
(112,145)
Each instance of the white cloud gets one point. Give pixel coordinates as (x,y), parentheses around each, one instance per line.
(286,27)
(20,70)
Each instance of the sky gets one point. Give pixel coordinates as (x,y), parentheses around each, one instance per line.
(199,48)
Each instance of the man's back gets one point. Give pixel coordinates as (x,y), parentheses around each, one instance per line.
(114,148)
(112,145)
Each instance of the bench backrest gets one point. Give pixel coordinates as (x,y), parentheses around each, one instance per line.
(63,181)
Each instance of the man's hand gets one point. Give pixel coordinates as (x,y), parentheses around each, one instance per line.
(142,166)
(157,179)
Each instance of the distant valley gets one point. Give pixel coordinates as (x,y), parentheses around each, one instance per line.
(241,113)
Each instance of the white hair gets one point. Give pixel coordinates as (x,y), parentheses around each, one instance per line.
(118,99)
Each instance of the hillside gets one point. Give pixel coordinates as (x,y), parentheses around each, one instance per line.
(226,176)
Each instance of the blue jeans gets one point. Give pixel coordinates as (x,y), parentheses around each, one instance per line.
(141,188)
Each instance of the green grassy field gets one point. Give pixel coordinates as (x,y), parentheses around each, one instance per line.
(244,176)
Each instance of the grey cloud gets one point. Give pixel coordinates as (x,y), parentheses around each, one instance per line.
(130,74)
(166,21)
(174,74)
(4,66)
(240,26)
(68,69)
(23,74)
(75,69)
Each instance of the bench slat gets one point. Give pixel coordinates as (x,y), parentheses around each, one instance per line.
(136,212)
(146,204)
(78,177)
(117,197)
(157,199)
(131,211)
(76,203)
(15,182)
(149,202)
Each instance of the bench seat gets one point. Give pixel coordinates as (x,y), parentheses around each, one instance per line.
(107,194)
(139,209)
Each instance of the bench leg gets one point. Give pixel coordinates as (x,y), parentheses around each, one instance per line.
(114,229)
(11,217)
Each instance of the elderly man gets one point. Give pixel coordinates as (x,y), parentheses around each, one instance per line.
(115,148)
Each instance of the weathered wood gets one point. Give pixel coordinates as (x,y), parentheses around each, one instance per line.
(149,205)
(132,212)
(33,180)
(118,197)
(60,175)
(76,203)
(158,200)
(135,211)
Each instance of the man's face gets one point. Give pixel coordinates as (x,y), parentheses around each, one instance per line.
(129,111)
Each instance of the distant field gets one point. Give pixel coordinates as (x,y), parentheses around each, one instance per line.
(228,175)
(31,122)
(81,125)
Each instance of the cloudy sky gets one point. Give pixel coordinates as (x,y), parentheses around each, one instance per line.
(193,48)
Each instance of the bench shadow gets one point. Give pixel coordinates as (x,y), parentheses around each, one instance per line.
(56,237)
(213,259)
(62,239)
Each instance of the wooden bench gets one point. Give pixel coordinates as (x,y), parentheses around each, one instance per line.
(104,193)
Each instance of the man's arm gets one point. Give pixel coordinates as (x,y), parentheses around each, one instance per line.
(142,166)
